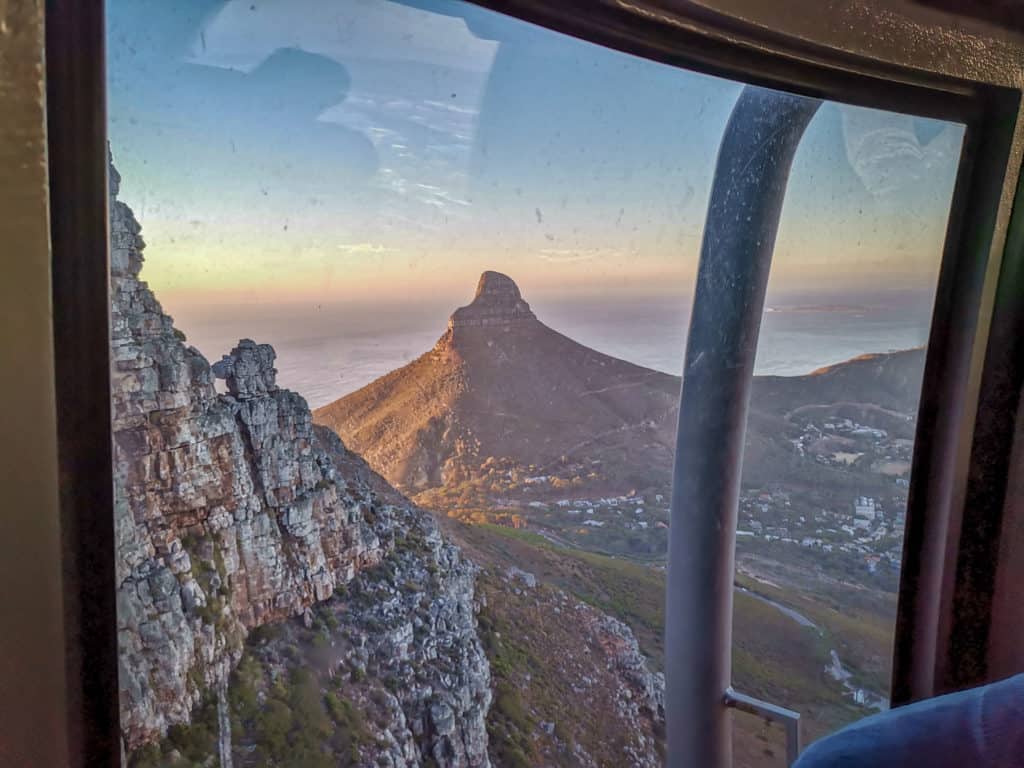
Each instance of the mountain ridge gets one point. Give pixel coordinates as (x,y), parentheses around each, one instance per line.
(240,542)
(500,384)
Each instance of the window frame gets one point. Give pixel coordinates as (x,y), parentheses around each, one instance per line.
(966,379)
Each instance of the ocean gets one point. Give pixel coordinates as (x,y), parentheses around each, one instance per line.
(325,352)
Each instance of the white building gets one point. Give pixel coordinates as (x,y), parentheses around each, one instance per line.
(864,508)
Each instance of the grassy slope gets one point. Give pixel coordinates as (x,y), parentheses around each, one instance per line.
(773,657)
(543,656)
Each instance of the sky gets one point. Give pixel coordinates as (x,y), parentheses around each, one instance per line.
(368,152)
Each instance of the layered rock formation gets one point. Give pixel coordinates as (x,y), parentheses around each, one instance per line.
(231,514)
(411,621)
(497,304)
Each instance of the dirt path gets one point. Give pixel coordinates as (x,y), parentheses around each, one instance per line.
(866,406)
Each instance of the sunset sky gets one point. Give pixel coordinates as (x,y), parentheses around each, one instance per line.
(363,151)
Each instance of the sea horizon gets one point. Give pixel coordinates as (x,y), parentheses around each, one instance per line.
(325,352)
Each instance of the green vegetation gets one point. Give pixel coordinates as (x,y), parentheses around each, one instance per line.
(774,657)
(264,633)
(543,655)
(631,592)
(349,721)
(324,619)
(298,725)
(186,746)
(858,626)
(778,660)
(509,728)
(198,740)
(211,573)
(148,756)
(643,545)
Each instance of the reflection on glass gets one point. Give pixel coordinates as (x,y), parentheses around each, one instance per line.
(468,245)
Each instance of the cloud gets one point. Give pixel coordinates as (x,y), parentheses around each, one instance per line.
(431,194)
(364,249)
(569,255)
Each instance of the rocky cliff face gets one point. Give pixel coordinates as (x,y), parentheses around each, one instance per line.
(497,303)
(231,514)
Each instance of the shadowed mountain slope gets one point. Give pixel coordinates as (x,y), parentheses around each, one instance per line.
(890,381)
(500,385)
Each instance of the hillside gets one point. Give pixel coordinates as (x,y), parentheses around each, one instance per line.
(579,498)
(504,410)
(529,580)
(499,384)
(888,381)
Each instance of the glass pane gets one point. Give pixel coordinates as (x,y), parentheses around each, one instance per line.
(393,483)
(833,412)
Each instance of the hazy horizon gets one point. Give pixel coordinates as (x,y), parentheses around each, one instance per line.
(328,350)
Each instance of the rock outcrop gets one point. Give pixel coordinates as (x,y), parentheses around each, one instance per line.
(230,514)
(497,303)
(411,621)
(249,370)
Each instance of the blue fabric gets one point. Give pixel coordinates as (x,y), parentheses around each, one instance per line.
(978,728)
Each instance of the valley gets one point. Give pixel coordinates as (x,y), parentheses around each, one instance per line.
(546,457)
(438,569)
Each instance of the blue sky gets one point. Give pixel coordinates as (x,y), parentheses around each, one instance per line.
(369,150)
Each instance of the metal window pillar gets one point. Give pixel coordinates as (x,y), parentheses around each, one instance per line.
(752,170)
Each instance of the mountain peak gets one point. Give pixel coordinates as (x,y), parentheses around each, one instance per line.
(494,284)
(497,302)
